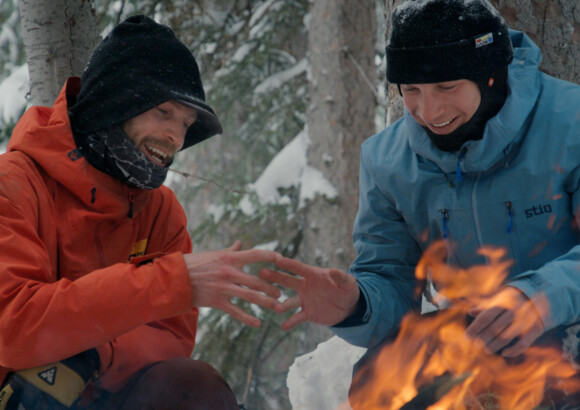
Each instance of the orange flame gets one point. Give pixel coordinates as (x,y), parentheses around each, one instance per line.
(433,365)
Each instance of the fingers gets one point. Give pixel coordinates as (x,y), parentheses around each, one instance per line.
(258,284)
(294,320)
(249,288)
(283,279)
(288,305)
(486,326)
(296,267)
(495,329)
(236,246)
(240,315)
(525,341)
(252,256)
(342,279)
(257,298)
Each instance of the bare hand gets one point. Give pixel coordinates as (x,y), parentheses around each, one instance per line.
(325,296)
(508,316)
(218,276)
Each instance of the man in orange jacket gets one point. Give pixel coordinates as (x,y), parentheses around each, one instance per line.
(98,283)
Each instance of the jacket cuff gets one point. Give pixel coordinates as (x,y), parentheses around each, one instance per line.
(359,316)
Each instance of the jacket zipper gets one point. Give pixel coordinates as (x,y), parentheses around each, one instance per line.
(513,236)
(444,220)
(474,210)
(510,225)
(99,247)
(131,198)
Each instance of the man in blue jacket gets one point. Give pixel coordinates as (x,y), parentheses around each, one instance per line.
(487,154)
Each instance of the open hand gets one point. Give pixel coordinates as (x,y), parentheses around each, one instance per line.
(217,276)
(325,296)
(509,317)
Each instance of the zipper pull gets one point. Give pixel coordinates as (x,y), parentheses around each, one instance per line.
(458,167)
(510,226)
(444,219)
(131,198)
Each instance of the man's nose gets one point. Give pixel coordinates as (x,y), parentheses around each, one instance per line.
(175,133)
(430,108)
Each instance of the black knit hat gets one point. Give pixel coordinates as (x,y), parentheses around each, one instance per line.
(445,40)
(138,66)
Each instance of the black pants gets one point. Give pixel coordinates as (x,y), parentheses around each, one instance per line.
(174,384)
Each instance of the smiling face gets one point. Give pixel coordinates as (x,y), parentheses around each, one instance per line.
(442,107)
(160,132)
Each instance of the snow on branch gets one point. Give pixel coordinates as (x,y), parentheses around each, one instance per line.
(13,91)
(277,80)
(290,168)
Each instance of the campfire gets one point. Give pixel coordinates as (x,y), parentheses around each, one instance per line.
(432,364)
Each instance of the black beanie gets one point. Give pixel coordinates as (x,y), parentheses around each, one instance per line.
(138,66)
(445,40)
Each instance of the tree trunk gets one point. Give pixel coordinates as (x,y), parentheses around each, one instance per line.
(554,25)
(59,36)
(341,116)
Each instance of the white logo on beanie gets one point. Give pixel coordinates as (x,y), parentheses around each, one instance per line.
(484,40)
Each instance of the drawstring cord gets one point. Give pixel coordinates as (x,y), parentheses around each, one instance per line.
(458,167)
(458,173)
(131,199)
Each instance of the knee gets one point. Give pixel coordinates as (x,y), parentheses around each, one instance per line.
(189,373)
(184,383)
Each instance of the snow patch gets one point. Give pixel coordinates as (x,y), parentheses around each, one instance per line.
(242,52)
(314,183)
(290,168)
(13,91)
(320,380)
(277,80)
(216,212)
(268,246)
(260,11)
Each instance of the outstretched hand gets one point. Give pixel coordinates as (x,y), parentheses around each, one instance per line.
(324,296)
(509,321)
(217,276)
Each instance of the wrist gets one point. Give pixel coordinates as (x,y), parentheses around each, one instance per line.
(356,313)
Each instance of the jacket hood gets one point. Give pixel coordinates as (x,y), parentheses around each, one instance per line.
(503,132)
(44,134)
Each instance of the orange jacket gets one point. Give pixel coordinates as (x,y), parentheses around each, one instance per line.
(67,233)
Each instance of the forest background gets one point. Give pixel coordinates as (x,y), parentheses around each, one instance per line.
(298,85)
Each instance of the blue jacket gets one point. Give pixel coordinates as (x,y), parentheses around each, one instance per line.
(517,188)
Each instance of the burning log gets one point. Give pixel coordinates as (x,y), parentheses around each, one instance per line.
(429,395)
(432,363)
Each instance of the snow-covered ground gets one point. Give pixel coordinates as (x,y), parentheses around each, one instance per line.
(319,380)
